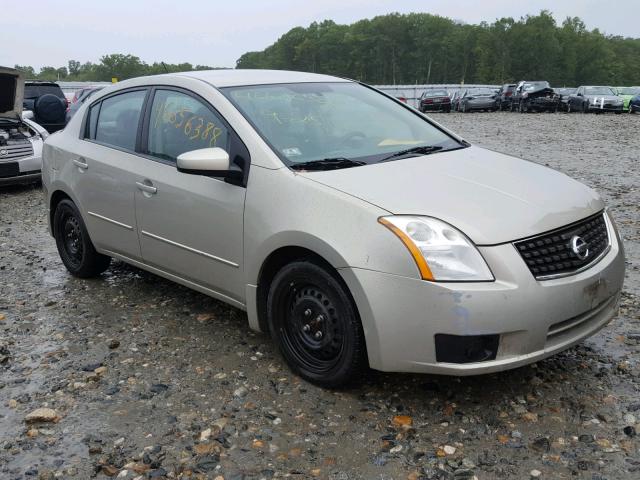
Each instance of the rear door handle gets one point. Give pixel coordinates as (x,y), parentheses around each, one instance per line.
(147,187)
(80,163)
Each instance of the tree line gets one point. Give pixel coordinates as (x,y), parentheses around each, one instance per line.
(423,48)
(116,65)
(417,48)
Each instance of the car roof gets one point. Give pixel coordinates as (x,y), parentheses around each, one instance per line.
(241,77)
(40,82)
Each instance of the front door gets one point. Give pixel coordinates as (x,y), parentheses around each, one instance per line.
(189,225)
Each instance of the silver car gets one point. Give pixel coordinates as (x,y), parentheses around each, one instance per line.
(21,139)
(352,228)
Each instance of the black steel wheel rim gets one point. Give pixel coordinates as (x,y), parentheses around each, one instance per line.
(312,330)
(72,239)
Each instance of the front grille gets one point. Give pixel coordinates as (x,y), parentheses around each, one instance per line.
(15,151)
(552,254)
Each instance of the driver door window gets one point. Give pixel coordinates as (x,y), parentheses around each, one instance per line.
(180,123)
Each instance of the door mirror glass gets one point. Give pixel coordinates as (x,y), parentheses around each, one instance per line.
(205,161)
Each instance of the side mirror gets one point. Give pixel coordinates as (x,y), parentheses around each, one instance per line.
(211,162)
(578,94)
(27,114)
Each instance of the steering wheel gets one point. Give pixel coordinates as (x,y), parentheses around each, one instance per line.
(350,137)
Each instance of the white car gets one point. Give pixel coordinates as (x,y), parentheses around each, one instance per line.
(21,139)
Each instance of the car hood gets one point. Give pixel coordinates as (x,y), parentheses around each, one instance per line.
(493,198)
(11,93)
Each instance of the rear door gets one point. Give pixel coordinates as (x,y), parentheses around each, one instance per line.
(190,225)
(104,166)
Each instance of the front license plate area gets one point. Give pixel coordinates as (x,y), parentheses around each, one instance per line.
(9,170)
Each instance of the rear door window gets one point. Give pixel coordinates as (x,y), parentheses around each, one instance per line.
(118,119)
(181,123)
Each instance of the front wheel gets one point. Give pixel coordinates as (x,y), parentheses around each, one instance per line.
(315,324)
(74,245)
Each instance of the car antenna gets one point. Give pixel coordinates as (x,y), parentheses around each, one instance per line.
(166,70)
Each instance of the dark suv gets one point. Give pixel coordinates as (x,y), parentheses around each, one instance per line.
(48,104)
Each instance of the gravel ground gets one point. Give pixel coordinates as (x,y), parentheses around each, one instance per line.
(141,378)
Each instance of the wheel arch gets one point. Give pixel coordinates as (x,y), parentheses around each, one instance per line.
(282,256)
(56,197)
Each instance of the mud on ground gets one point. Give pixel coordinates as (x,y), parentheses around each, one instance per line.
(148,379)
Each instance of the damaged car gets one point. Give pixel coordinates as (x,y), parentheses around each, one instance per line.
(534,96)
(595,99)
(353,229)
(21,139)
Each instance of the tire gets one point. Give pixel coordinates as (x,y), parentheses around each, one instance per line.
(522,108)
(585,108)
(74,245)
(49,109)
(315,324)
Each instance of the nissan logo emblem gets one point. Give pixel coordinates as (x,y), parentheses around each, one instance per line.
(3,152)
(579,247)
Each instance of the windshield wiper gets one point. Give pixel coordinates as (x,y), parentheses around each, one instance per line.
(328,164)
(421,150)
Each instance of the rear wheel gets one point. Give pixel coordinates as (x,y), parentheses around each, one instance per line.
(74,245)
(315,324)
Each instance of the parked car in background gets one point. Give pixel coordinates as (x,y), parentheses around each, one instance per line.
(427,254)
(21,139)
(634,104)
(455,99)
(80,98)
(627,93)
(564,94)
(598,99)
(48,104)
(534,96)
(504,96)
(477,98)
(435,100)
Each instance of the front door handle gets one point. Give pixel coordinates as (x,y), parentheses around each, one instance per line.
(147,187)
(80,163)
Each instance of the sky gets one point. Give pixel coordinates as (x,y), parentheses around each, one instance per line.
(216,33)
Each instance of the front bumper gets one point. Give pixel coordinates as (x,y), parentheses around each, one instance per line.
(534,319)
(29,168)
(604,108)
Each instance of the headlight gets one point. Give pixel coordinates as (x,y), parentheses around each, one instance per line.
(441,252)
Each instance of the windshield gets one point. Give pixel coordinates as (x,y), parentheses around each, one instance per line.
(528,87)
(628,90)
(436,93)
(480,91)
(310,122)
(598,91)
